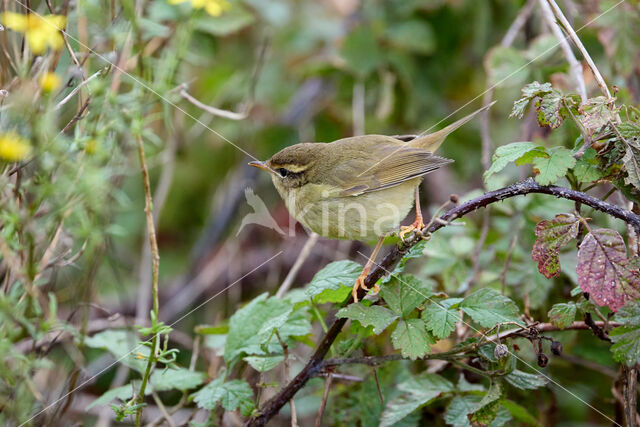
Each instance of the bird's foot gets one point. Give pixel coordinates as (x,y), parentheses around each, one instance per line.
(360,285)
(417,226)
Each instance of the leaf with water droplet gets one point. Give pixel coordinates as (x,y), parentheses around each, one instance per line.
(605,272)
(551,237)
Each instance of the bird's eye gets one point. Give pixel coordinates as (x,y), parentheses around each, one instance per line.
(283,172)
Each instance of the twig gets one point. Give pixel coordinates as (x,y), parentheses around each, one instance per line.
(287,376)
(77,88)
(630,394)
(574,65)
(503,274)
(148,209)
(325,395)
(388,263)
(213,110)
(576,40)
(304,254)
(163,409)
(357,108)
(77,117)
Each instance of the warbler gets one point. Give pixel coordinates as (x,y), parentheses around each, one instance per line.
(358,188)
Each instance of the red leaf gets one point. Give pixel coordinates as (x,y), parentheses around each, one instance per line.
(605,272)
(552,236)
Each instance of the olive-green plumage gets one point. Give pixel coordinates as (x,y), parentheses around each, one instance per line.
(356,188)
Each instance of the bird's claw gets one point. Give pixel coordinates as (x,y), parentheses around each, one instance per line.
(360,284)
(417,226)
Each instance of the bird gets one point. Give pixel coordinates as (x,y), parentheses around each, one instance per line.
(360,187)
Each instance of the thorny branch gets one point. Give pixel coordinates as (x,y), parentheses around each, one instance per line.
(316,363)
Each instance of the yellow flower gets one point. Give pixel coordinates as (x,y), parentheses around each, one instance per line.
(213,7)
(40,31)
(13,147)
(91,146)
(50,82)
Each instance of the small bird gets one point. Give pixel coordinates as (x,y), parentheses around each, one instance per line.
(358,188)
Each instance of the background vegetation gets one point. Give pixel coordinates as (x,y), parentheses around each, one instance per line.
(131,291)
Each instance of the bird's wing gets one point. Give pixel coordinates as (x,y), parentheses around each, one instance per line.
(383,163)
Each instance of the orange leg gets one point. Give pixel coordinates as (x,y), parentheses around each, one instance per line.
(418,224)
(365,272)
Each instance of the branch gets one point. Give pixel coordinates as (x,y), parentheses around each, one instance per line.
(315,364)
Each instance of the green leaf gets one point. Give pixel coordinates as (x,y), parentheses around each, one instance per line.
(440,319)
(334,281)
(252,325)
(181,379)
(414,35)
(524,380)
(560,160)
(361,51)
(506,154)
(551,237)
(124,345)
(586,168)
(506,66)
(411,338)
(416,392)
(631,162)
(563,314)
(123,393)
(626,338)
(264,363)
(376,316)
(529,92)
(549,109)
(596,113)
(405,292)
(488,307)
(459,408)
(519,413)
(541,48)
(487,409)
(233,395)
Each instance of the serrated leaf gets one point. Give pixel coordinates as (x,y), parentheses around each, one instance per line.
(416,392)
(508,153)
(551,168)
(376,316)
(631,162)
(626,338)
(586,168)
(404,293)
(486,410)
(252,325)
(563,314)
(334,281)
(596,113)
(604,270)
(123,393)
(524,380)
(180,379)
(488,307)
(440,319)
(529,92)
(551,237)
(264,363)
(232,395)
(124,345)
(459,408)
(548,107)
(411,338)
(506,66)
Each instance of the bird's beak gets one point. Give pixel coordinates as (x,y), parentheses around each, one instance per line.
(261,165)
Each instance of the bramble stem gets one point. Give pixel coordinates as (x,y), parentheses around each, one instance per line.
(148,209)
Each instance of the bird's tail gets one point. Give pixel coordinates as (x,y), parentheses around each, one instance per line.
(431,142)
